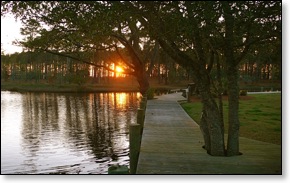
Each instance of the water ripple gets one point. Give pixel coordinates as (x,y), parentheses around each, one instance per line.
(47,133)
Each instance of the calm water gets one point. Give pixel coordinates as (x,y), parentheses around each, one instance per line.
(43,133)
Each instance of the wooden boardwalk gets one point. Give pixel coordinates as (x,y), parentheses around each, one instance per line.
(172,144)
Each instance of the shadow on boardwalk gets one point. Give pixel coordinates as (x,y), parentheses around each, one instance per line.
(172,144)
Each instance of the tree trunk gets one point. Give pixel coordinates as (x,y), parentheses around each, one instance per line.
(234,124)
(134,53)
(211,124)
(143,82)
(233,88)
(212,131)
(211,121)
(204,130)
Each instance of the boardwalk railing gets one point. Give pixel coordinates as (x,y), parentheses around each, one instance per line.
(135,136)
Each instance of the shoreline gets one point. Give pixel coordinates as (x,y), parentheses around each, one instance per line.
(68,91)
(52,88)
(74,88)
(113,86)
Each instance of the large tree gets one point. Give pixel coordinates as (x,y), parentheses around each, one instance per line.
(62,27)
(198,35)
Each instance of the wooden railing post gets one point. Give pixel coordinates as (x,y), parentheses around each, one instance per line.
(142,105)
(140,118)
(134,139)
(145,100)
(135,135)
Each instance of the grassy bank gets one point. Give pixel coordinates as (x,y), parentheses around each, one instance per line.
(112,86)
(260,116)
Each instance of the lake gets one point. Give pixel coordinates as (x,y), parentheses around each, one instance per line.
(65,133)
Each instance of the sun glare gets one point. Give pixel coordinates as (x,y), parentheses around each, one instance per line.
(119,69)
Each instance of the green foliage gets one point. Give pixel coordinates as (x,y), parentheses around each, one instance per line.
(73,78)
(150,93)
(243,92)
(71,26)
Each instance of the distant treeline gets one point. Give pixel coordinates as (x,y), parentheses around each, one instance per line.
(52,68)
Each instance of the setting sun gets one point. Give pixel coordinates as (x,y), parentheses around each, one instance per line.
(119,69)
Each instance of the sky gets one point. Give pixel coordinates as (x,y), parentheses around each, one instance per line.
(10,31)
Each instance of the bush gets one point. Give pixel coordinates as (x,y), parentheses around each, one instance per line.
(150,93)
(243,92)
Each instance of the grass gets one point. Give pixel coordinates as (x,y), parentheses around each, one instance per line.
(112,86)
(128,84)
(260,116)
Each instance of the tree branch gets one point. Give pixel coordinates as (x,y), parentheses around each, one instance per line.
(123,60)
(78,59)
(135,58)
